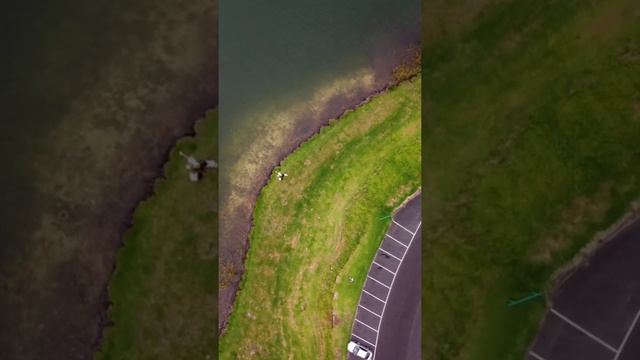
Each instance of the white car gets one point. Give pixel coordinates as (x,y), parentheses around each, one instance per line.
(359,350)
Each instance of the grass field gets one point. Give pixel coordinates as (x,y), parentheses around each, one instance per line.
(320,226)
(531,146)
(164,287)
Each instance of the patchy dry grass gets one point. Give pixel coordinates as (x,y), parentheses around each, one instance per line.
(321,226)
(573,220)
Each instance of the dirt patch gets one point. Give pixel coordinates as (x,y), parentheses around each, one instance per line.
(335,320)
(582,211)
(610,20)
(446,18)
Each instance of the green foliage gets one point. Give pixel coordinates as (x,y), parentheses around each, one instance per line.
(320,226)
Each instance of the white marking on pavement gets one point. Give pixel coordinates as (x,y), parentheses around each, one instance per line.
(361,339)
(370,327)
(379,282)
(370,294)
(409,231)
(388,253)
(371,311)
(392,281)
(396,240)
(584,331)
(626,336)
(538,357)
(383,267)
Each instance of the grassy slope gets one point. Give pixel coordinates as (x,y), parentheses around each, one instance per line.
(320,226)
(164,287)
(531,145)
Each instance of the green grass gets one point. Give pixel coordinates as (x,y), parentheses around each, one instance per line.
(164,287)
(320,226)
(531,146)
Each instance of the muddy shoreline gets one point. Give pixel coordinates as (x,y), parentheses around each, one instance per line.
(197,114)
(336,108)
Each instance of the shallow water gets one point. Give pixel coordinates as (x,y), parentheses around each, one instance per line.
(49,58)
(275,54)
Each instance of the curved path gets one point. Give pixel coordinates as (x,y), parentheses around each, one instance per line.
(387,320)
(595,312)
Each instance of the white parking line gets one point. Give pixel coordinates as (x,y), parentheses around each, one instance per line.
(370,294)
(626,336)
(538,357)
(371,311)
(601,342)
(381,283)
(361,339)
(388,253)
(392,281)
(396,240)
(383,267)
(370,327)
(409,231)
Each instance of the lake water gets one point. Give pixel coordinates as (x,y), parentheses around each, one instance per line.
(39,82)
(286,67)
(274,54)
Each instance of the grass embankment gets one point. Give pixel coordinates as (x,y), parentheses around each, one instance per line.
(320,226)
(532,133)
(164,287)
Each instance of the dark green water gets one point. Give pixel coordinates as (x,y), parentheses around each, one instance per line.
(50,51)
(274,53)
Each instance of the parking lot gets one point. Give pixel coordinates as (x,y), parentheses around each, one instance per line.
(595,312)
(393,268)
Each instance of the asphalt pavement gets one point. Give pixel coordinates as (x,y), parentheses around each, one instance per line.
(595,312)
(388,317)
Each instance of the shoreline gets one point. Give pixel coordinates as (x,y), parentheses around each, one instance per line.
(104,321)
(331,211)
(224,318)
(95,146)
